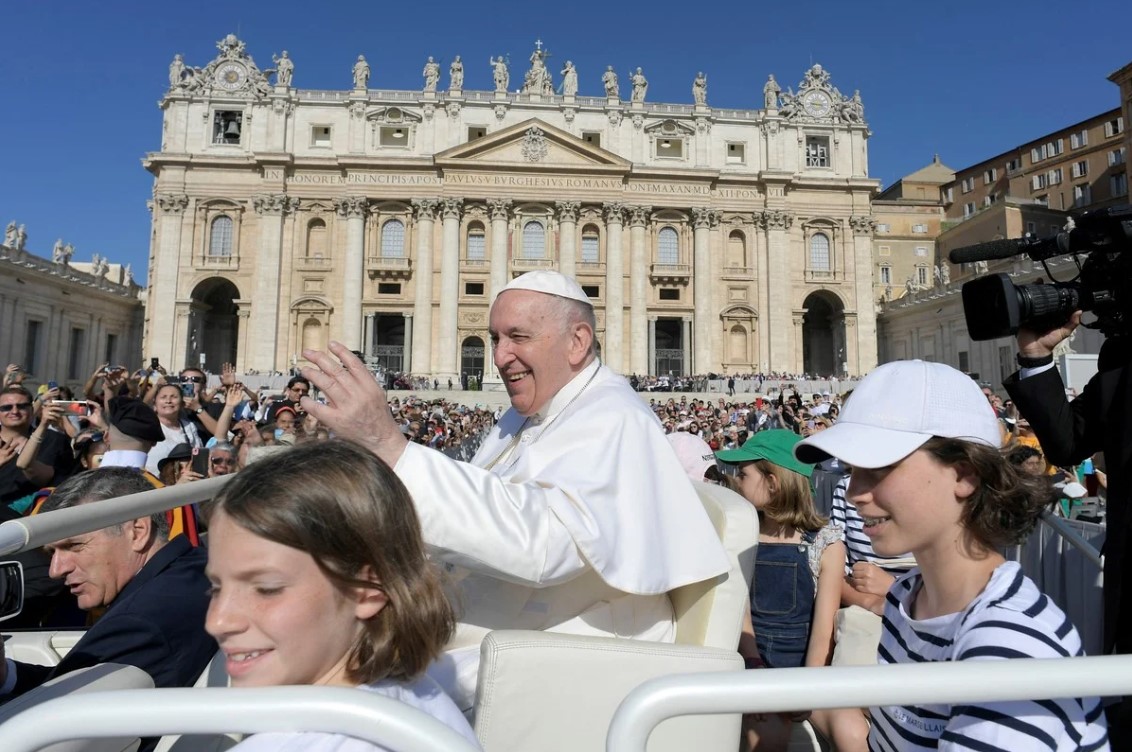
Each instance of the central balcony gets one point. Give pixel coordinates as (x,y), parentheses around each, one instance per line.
(388,267)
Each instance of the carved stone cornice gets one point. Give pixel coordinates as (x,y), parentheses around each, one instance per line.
(862,225)
(274,203)
(776,219)
(638,215)
(568,210)
(172,203)
(500,208)
(425,208)
(614,213)
(351,207)
(451,207)
(701,217)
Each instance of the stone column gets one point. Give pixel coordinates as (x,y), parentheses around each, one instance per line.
(407,348)
(243,335)
(797,333)
(500,209)
(163,280)
(367,335)
(614,288)
(652,346)
(703,141)
(269,260)
(567,232)
(701,288)
(686,341)
(449,290)
(781,343)
(353,208)
(638,289)
(863,340)
(422,307)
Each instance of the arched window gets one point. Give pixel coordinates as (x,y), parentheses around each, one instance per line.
(534,240)
(738,344)
(312,335)
(736,250)
(220,237)
(316,239)
(668,247)
(590,244)
(819,252)
(477,249)
(393,239)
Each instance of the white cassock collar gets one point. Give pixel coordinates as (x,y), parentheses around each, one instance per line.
(565,395)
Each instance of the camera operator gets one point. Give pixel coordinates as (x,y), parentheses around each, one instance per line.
(1097,420)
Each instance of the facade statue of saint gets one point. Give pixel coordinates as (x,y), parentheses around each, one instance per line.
(853,110)
(176,72)
(431,74)
(981,266)
(284,69)
(770,93)
(456,75)
(789,106)
(938,275)
(569,79)
(945,274)
(888,292)
(21,238)
(10,234)
(361,73)
(909,286)
(699,90)
(537,79)
(68,253)
(128,275)
(609,80)
(500,73)
(57,251)
(640,86)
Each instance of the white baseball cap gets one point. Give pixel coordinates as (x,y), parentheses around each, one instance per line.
(693,452)
(550,283)
(897,408)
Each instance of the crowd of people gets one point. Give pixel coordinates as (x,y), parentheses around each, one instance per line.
(351,507)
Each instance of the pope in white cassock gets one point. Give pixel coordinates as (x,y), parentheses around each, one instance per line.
(574,516)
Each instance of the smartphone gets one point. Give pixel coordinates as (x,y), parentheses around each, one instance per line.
(74,407)
(200,461)
(188,389)
(153,363)
(52,385)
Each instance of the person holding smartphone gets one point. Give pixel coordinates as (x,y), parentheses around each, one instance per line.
(44,453)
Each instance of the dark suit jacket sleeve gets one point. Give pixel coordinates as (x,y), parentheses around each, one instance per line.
(1068,431)
(123,639)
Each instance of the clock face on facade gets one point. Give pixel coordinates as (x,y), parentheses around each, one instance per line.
(231,76)
(817,103)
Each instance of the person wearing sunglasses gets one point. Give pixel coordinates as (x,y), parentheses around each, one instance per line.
(51,450)
(221,460)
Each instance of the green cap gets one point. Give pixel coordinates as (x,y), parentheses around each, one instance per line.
(776,447)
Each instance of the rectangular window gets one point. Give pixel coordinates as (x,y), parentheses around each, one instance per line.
(589,249)
(670,148)
(736,153)
(1054,176)
(968,185)
(948,192)
(1116,157)
(1013,165)
(1080,169)
(111,349)
(884,250)
(227,126)
(1042,200)
(1118,185)
(473,288)
(669,293)
(476,131)
(886,275)
(1038,182)
(989,199)
(1035,155)
(921,251)
(922,275)
(1077,140)
(1031,228)
(989,176)
(1114,127)
(320,135)
(884,227)
(969,209)
(388,288)
(817,151)
(592,137)
(76,353)
(964,361)
(919,229)
(591,291)
(393,135)
(1081,195)
(1056,147)
(32,346)
(477,248)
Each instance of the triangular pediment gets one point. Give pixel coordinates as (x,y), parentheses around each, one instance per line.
(532,144)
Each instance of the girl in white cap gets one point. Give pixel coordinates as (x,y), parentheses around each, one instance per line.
(929,477)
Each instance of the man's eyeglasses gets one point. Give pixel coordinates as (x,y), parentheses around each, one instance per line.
(194,379)
(221,460)
(23,407)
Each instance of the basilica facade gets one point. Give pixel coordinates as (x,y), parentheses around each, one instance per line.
(710,240)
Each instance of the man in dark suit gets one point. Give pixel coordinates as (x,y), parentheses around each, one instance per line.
(154,591)
(1099,419)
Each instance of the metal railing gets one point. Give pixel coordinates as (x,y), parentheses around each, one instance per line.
(380,720)
(790,689)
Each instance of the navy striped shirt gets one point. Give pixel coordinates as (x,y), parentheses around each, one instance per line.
(1011,618)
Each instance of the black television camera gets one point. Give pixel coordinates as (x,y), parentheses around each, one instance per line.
(996,307)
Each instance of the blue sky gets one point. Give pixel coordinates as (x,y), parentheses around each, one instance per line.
(80,81)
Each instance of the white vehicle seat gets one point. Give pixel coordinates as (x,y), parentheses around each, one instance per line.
(100,678)
(214,675)
(547,691)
